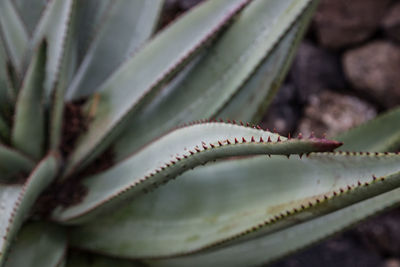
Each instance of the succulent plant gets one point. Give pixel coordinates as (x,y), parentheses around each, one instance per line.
(98,115)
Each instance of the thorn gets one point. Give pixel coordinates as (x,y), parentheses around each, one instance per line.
(178,158)
(247,124)
(279,139)
(288,156)
(359,183)
(348,187)
(228,142)
(269,155)
(191,152)
(244,140)
(197,149)
(269,139)
(312,135)
(300,136)
(204,146)
(228,121)
(234,122)
(376,153)
(241,123)
(172,162)
(211,145)
(341,190)
(221,120)
(261,140)
(288,136)
(302,207)
(220,143)
(301,155)
(318,201)
(334,193)
(374,177)
(325,197)
(252,139)
(236,141)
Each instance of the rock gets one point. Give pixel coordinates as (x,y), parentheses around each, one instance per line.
(283,114)
(391,22)
(333,113)
(340,23)
(374,69)
(382,233)
(342,250)
(315,69)
(392,263)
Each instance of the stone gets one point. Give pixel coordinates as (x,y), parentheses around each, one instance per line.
(340,23)
(374,70)
(391,22)
(282,114)
(315,69)
(382,233)
(332,113)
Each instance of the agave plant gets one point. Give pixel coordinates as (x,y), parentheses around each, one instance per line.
(98,114)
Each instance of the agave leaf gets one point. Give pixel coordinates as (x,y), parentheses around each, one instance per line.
(258,91)
(219,74)
(30,11)
(270,247)
(13,32)
(16,201)
(6,90)
(12,163)
(380,134)
(127,25)
(259,195)
(28,131)
(177,152)
(133,84)
(53,27)
(90,14)
(38,245)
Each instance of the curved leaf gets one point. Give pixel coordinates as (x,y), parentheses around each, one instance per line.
(28,131)
(12,163)
(38,245)
(6,92)
(133,84)
(127,25)
(270,247)
(30,11)
(238,198)
(218,74)
(53,27)
(177,152)
(4,130)
(257,92)
(92,260)
(13,32)
(380,134)
(16,201)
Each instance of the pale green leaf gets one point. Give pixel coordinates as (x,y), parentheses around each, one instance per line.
(12,163)
(214,204)
(380,134)
(13,32)
(175,153)
(53,26)
(126,26)
(270,247)
(251,101)
(28,133)
(30,11)
(17,200)
(219,73)
(140,78)
(38,245)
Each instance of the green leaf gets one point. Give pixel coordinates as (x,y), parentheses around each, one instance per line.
(13,32)
(127,25)
(253,98)
(17,200)
(270,247)
(219,74)
(175,153)
(219,203)
(12,163)
(38,245)
(380,134)
(4,130)
(30,11)
(53,26)
(28,133)
(6,90)
(91,260)
(133,84)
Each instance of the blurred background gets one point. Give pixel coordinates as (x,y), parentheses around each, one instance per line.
(347,70)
